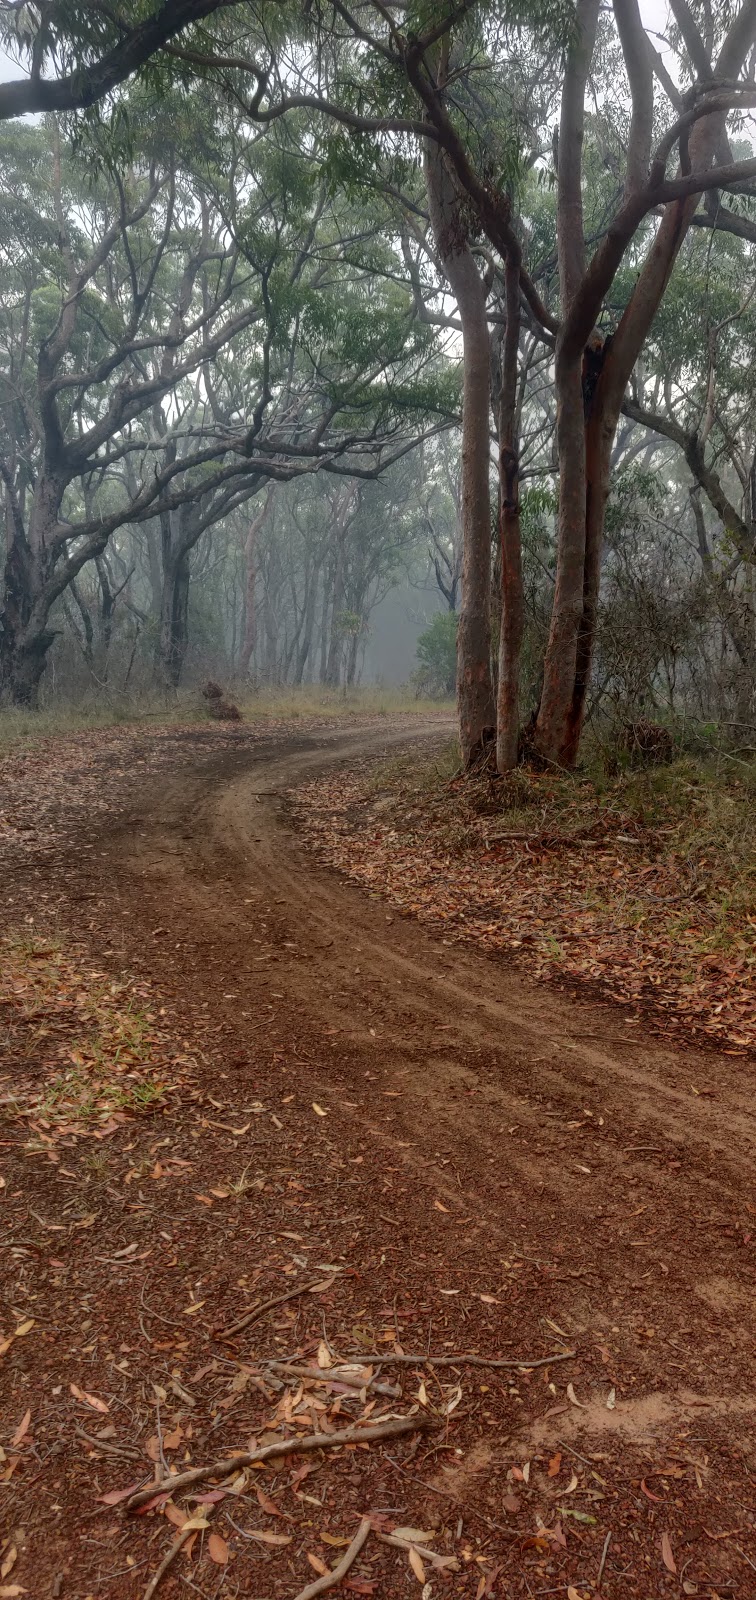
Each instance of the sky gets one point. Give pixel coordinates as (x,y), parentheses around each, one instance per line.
(653,12)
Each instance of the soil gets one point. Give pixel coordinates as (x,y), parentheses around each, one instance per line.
(461,1162)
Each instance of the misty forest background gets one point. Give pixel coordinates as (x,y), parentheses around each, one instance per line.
(342,347)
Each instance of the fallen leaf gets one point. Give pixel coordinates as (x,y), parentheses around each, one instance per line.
(22,1428)
(667,1556)
(174,1514)
(9,1591)
(416,1565)
(439,1207)
(267,1504)
(315,1561)
(270,1538)
(115,1496)
(23,1328)
(554,1465)
(611,1400)
(217,1549)
(9,1561)
(190,1311)
(173,1440)
(324,1355)
(319,1110)
(571,1396)
(573,1594)
(511,1503)
(88,1399)
(332,1539)
(414,1535)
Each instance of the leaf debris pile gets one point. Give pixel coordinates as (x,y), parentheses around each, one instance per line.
(646,892)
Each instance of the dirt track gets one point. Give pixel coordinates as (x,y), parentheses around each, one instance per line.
(481,1138)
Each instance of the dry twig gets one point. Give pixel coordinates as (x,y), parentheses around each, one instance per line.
(338,1374)
(468,1361)
(185,1533)
(267,1305)
(329,1580)
(393,1428)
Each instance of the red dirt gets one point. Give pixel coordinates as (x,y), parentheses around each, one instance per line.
(497,1171)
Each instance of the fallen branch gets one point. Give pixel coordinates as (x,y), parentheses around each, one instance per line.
(329,1580)
(443,1563)
(188,1529)
(267,1305)
(340,1374)
(391,1429)
(469,1361)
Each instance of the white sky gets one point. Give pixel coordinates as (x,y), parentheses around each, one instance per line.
(653,12)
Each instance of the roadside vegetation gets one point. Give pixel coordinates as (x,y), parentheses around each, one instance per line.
(637,883)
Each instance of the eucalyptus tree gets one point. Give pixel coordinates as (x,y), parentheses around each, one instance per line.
(415,75)
(176,335)
(695,393)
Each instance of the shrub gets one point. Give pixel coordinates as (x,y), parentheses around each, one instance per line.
(437,656)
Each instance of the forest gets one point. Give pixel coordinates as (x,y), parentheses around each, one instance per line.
(377,781)
(460,306)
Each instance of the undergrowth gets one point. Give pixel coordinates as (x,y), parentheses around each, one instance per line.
(311,703)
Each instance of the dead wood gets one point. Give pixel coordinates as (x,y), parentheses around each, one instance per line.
(337,1374)
(329,1580)
(393,1428)
(266,1305)
(469,1361)
(185,1533)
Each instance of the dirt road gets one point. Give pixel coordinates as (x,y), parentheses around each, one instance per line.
(487,1166)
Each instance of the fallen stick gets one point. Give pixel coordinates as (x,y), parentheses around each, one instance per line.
(329,1580)
(339,1374)
(188,1529)
(267,1305)
(392,1429)
(467,1361)
(450,1563)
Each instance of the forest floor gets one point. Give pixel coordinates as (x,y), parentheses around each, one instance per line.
(236,1088)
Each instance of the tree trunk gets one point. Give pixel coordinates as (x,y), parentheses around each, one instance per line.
(475,700)
(173,637)
(307,629)
(250,583)
(512,595)
(585,446)
(30,589)
(552,734)
(335,640)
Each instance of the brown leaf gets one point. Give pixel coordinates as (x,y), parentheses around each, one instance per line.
(173,1440)
(88,1399)
(115,1496)
(269,1538)
(315,1561)
(416,1565)
(667,1556)
(9,1561)
(174,1514)
(217,1549)
(554,1465)
(267,1504)
(22,1428)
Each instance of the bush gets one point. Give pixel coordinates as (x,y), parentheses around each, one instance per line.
(437,655)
